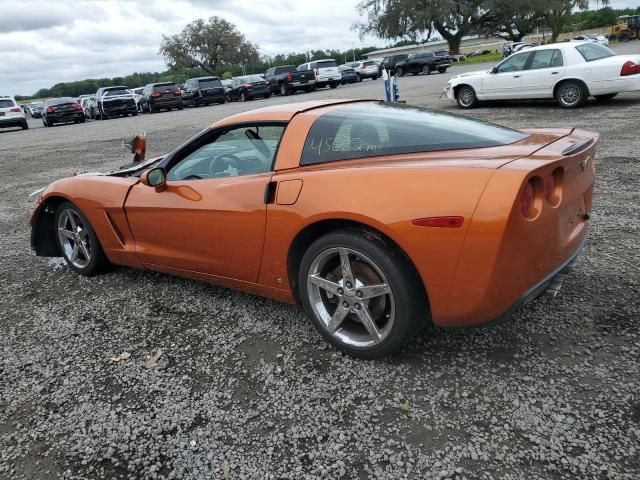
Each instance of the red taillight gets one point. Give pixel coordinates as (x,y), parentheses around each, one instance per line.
(176,92)
(629,68)
(15,109)
(553,187)
(289,77)
(530,198)
(449,222)
(51,109)
(77,106)
(156,94)
(248,86)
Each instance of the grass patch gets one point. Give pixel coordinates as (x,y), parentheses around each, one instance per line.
(489,57)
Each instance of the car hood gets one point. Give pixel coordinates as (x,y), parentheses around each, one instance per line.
(475,73)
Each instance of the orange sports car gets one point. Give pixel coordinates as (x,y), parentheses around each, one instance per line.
(377,217)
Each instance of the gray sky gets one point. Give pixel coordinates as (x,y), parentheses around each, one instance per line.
(43,42)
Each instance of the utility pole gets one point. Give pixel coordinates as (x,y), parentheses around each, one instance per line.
(354,51)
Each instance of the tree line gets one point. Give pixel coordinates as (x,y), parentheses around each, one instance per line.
(216,47)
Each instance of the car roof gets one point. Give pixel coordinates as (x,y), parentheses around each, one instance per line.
(211,77)
(562,45)
(282,113)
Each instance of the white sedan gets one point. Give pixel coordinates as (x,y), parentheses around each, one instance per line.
(569,72)
(592,37)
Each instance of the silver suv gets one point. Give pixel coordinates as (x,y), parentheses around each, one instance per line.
(326,72)
(365,69)
(11,114)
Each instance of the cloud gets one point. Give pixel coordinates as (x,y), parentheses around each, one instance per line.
(43,42)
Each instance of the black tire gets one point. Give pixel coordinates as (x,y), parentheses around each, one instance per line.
(25,125)
(624,37)
(268,95)
(466,97)
(333,85)
(605,97)
(181,107)
(400,72)
(83,120)
(243,97)
(98,261)
(92,114)
(49,123)
(284,91)
(426,69)
(442,70)
(358,77)
(374,77)
(571,94)
(407,296)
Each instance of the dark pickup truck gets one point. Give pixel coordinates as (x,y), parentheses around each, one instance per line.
(286,79)
(425,62)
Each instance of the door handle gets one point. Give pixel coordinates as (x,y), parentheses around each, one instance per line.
(516,76)
(270,192)
(554,73)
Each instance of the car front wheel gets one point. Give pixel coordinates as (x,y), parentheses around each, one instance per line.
(571,94)
(400,72)
(361,293)
(77,241)
(466,97)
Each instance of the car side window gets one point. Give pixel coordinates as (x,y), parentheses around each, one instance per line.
(545,59)
(514,63)
(238,151)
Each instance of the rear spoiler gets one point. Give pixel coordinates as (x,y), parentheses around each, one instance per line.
(578,146)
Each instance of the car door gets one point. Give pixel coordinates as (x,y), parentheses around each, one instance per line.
(543,70)
(211,216)
(505,80)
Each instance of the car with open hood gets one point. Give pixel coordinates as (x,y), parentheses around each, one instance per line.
(378,218)
(113,102)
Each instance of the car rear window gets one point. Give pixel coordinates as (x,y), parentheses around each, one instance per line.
(368,64)
(6,103)
(116,92)
(209,83)
(326,64)
(370,129)
(593,51)
(286,69)
(164,87)
(60,101)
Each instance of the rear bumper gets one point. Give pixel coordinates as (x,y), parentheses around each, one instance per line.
(119,109)
(173,103)
(65,117)
(12,121)
(551,284)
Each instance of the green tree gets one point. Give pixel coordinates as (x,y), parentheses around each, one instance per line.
(209,45)
(513,19)
(558,13)
(416,19)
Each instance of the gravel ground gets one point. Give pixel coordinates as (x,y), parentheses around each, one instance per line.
(244,388)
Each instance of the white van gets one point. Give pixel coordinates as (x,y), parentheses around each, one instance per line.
(326,72)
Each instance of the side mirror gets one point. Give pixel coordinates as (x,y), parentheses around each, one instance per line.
(494,70)
(155,177)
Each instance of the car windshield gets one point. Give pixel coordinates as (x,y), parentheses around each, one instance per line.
(4,103)
(371,129)
(116,91)
(209,83)
(251,79)
(593,51)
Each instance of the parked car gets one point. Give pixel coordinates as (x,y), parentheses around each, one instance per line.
(288,79)
(365,69)
(347,75)
(389,63)
(570,72)
(137,96)
(11,114)
(35,109)
(397,227)
(113,101)
(477,53)
(599,39)
(61,110)
(85,103)
(161,96)
(443,54)
(424,62)
(513,47)
(249,87)
(201,91)
(326,72)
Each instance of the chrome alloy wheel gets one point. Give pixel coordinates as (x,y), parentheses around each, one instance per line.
(466,97)
(351,297)
(571,94)
(74,238)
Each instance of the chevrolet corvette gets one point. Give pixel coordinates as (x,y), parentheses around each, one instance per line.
(378,218)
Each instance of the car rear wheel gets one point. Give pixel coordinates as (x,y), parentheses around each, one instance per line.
(442,70)
(358,77)
(25,125)
(571,94)
(77,241)
(243,97)
(361,293)
(284,91)
(466,97)
(400,72)
(333,85)
(426,70)
(605,97)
